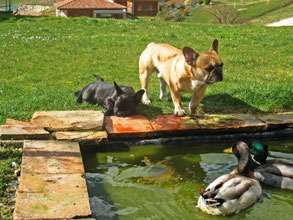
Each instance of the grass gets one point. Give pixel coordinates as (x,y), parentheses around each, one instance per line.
(45,60)
(31,2)
(9,153)
(248,10)
(274,16)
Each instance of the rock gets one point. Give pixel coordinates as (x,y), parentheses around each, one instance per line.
(69,120)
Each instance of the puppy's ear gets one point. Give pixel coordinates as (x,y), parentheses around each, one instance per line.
(118,89)
(190,55)
(109,105)
(138,96)
(215,45)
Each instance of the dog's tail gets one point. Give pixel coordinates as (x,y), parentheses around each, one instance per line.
(98,78)
(79,95)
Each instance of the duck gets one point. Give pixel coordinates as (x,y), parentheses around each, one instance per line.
(233,192)
(275,173)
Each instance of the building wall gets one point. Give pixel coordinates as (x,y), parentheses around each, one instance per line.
(145,8)
(61,13)
(80,12)
(129,7)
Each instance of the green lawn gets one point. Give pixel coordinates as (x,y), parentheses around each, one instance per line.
(32,2)
(45,60)
(274,16)
(248,10)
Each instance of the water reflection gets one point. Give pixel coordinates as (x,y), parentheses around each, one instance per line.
(161,182)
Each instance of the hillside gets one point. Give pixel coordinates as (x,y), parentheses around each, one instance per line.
(250,11)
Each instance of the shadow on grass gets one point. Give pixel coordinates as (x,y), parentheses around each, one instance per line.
(149,110)
(224,103)
(8,17)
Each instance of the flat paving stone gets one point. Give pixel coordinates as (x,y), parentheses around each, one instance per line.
(52,184)
(51,205)
(83,136)
(136,126)
(277,119)
(47,183)
(229,123)
(174,124)
(51,157)
(10,121)
(69,120)
(20,132)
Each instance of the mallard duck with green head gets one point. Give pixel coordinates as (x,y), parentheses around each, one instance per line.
(275,173)
(231,193)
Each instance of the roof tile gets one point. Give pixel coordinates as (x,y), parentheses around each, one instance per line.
(86,4)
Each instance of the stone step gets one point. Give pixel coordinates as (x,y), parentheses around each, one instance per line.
(52,184)
(229,123)
(137,126)
(277,120)
(171,124)
(83,136)
(51,157)
(21,132)
(140,127)
(69,120)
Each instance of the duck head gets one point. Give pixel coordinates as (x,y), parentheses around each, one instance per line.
(245,162)
(258,151)
(241,152)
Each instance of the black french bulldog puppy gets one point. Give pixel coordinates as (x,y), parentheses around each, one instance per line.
(117,100)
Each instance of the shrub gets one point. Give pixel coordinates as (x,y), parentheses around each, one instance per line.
(224,14)
(206,2)
(168,13)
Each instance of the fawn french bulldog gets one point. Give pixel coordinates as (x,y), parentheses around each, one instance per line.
(182,70)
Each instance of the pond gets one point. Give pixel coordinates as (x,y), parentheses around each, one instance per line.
(162,182)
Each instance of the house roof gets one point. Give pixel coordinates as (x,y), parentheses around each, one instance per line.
(87,4)
(175,2)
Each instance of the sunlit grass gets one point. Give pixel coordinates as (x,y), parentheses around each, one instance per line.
(45,60)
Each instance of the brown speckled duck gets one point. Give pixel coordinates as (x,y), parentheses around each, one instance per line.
(231,193)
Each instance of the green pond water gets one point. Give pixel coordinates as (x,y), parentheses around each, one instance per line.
(162,182)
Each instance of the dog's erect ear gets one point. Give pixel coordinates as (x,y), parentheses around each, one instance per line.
(98,78)
(109,105)
(215,45)
(118,89)
(138,96)
(190,55)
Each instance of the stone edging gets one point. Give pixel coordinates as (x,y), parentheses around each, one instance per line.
(52,183)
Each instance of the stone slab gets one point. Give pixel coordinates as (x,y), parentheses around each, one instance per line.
(49,183)
(84,136)
(10,121)
(51,205)
(172,124)
(136,126)
(277,119)
(52,157)
(20,132)
(69,120)
(229,123)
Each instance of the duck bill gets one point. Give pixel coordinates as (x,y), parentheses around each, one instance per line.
(228,150)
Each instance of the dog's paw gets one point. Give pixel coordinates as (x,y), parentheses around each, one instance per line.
(146,102)
(179,112)
(164,98)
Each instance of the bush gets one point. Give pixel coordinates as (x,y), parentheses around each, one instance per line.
(224,14)
(206,2)
(179,16)
(167,14)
